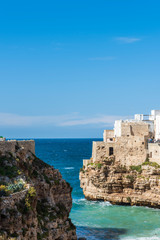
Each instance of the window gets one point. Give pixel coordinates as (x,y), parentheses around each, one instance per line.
(110,151)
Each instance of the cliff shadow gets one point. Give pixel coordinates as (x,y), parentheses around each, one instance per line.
(92,233)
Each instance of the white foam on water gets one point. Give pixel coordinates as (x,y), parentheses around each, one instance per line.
(154,235)
(69,168)
(142,238)
(79,201)
(91,203)
(104,204)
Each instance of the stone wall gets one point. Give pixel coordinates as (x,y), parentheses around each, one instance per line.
(100,150)
(135,129)
(107,134)
(131,150)
(87,161)
(12,199)
(12,145)
(154,152)
(128,151)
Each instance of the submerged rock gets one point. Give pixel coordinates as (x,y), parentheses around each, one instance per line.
(35,201)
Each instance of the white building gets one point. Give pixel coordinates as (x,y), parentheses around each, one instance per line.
(153,120)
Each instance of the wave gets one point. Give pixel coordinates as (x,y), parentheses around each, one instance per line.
(83,201)
(141,238)
(69,168)
(154,235)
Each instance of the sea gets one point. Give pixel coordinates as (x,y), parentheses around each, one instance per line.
(96,220)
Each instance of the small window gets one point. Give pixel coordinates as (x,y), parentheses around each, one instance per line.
(110,151)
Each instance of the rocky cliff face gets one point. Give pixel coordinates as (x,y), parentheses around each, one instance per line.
(35,201)
(110,181)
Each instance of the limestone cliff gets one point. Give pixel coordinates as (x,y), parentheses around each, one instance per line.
(108,180)
(35,201)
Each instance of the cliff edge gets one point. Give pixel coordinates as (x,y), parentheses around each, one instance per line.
(108,180)
(125,166)
(35,201)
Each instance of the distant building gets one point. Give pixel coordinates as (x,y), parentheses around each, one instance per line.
(153,121)
(2,139)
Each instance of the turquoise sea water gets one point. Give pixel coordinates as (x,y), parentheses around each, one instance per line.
(96,220)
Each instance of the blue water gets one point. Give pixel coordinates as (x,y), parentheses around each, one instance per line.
(96,220)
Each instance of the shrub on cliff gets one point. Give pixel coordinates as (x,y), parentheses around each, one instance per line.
(98,165)
(6,190)
(152,164)
(130,177)
(30,197)
(136,168)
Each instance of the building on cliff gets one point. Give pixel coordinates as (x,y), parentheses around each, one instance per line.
(131,141)
(125,166)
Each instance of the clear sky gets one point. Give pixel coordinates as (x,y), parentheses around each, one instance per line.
(69,68)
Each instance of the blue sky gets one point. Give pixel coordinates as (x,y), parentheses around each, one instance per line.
(70,68)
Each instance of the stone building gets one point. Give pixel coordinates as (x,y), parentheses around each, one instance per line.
(131,141)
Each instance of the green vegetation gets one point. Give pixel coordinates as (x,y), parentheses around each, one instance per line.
(82,170)
(12,188)
(24,230)
(30,197)
(136,168)
(130,177)
(140,176)
(98,165)
(152,164)
(147,159)
(35,173)
(9,171)
(44,235)
(6,190)
(39,236)
(129,199)
(22,208)
(14,235)
(121,169)
(6,168)
(46,179)
(56,182)
(90,164)
(146,163)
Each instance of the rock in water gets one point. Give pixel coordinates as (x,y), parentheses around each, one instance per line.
(127,185)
